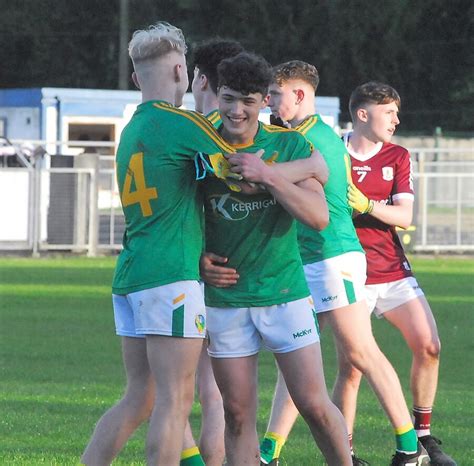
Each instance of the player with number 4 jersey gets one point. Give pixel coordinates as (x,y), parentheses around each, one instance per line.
(155,174)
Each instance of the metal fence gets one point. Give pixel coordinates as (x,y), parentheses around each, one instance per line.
(72,204)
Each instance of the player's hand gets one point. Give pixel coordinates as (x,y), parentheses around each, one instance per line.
(359,201)
(249,165)
(215,274)
(320,167)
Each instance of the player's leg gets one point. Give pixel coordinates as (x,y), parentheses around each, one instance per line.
(283,416)
(172,317)
(233,346)
(346,390)
(407,309)
(173,363)
(211,442)
(303,372)
(190,456)
(290,331)
(356,340)
(119,422)
(237,381)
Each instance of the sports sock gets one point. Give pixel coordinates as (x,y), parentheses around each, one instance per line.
(191,457)
(407,441)
(422,421)
(351,446)
(271,446)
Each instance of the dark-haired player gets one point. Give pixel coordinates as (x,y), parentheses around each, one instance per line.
(270,304)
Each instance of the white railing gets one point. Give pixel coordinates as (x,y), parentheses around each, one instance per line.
(76,207)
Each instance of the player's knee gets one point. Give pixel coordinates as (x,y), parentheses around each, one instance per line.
(313,407)
(236,416)
(349,373)
(429,350)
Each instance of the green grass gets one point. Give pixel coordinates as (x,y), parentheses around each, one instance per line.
(60,364)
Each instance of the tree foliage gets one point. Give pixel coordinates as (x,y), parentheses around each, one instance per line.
(421,47)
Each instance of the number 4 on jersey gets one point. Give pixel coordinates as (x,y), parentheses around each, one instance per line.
(142,195)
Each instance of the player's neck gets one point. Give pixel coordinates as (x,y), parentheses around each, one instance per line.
(304,111)
(162,92)
(209,103)
(362,144)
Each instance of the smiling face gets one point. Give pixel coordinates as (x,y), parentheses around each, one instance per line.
(379,120)
(239,113)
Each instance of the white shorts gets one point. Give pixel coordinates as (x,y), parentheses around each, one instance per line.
(175,310)
(338,281)
(240,332)
(384,297)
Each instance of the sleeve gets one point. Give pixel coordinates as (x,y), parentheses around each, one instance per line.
(403,178)
(201,136)
(301,147)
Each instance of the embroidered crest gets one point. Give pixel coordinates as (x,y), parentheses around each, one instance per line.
(387,173)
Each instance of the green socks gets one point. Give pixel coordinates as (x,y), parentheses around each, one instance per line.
(407,441)
(191,457)
(271,446)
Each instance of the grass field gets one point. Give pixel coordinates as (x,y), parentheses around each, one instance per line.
(60,365)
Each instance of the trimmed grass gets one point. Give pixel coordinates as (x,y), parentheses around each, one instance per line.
(60,364)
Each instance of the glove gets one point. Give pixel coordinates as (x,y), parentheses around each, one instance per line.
(358,201)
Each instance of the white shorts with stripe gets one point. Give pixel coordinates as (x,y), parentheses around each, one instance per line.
(384,297)
(240,332)
(175,310)
(338,281)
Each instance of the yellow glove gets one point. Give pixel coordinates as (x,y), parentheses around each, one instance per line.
(358,201)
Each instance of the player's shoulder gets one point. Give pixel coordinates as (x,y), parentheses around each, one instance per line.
(395,151)
(181,114)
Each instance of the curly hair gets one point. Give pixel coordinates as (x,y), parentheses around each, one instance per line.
(372,92)
(296,69)
(247,73)
(156,41)
(208,54)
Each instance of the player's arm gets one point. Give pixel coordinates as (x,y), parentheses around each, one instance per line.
(214,272)
(298,170)
(399,214)
(304,200)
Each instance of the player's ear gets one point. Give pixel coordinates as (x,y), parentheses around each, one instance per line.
(135,80)
(362,114)
(299,96)
(265,101)
(177,73)
(203,82)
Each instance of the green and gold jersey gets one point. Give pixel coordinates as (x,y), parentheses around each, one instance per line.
(156,178)
(256,233)
(215,118)
(339,236)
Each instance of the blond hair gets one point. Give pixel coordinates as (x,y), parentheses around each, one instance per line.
(155,42)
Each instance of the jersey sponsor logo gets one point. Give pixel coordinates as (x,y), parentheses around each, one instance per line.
(302,333)
(233,209)
(387,173)
(328,299)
